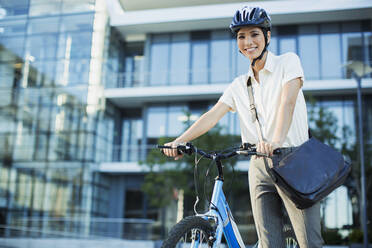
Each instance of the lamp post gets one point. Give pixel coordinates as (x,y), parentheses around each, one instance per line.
(359,69)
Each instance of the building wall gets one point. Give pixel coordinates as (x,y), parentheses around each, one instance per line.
(54,131)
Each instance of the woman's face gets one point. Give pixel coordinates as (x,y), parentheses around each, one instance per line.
(251,41)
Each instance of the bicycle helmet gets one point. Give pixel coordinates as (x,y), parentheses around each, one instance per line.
(252,16)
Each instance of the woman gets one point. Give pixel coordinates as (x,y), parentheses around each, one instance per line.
(281,110)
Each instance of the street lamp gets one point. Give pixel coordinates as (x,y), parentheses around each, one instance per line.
(359,69)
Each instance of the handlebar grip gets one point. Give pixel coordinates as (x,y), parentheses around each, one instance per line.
(181,149)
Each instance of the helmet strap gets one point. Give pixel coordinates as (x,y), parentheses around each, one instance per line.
(264,50)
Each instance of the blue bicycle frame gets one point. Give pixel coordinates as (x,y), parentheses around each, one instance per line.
(220,212)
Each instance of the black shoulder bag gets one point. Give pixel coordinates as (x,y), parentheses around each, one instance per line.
(307,174)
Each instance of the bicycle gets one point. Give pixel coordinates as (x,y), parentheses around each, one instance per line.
(206,230)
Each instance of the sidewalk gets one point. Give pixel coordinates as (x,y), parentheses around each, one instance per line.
(91,243)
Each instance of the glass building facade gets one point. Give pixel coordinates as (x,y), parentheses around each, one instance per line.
(57,130)
(54,129)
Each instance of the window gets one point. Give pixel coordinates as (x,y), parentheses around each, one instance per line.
(273,46)
(200,55)
(352,44)
(177,120)
(180,59)
(131,139)
(309,51)
(331,66)
(156,122)
(159,60)
(287,39)
(220,57)
(240,62)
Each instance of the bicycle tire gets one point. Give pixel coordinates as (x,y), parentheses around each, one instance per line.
(182,232)
(290,239)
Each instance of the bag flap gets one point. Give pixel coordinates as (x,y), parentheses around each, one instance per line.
(310,167)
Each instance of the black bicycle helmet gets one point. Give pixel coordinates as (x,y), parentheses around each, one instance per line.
(252,16)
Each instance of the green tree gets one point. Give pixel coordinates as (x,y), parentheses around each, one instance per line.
(324,127)
(167,176)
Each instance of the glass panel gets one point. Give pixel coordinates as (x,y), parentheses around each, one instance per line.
(43,25)
(180,55)
(176,120)
(199,67)
(309,52)
(273,46)
(11,48)
(159,61)
(42,47)
(72,71)
(77,22)
(330,45)
(220,57)
(75,45)
(73,6)
(12,27)
(44,7)
(129,68)
(368,50)
(156,124)
(287,44)
(242,63)
(352,44)
(14,8)
(131,139)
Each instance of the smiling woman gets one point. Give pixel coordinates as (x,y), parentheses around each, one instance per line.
(281,111)
(252,41)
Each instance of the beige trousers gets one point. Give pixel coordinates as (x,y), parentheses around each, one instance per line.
(267,200)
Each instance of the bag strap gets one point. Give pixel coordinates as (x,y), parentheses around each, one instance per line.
(253,110)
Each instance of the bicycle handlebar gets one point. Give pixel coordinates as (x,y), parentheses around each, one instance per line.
(245,149)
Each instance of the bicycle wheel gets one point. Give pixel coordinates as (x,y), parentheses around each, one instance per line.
(189,230)
(290,239)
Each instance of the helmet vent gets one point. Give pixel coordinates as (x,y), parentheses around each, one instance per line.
(251,15)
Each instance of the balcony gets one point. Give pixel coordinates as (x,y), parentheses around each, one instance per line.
(128,93)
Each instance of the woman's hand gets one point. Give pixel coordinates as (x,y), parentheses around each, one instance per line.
(267,147)
(173,151)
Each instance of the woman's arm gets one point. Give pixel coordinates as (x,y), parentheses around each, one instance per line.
(284,118)
(201,126)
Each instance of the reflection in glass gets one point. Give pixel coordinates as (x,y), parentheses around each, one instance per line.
(80,44)
(242,63)
(309,55)
(42,46)
(15,9)
(352,45)
(82,22)
(12,27)
(44,7)
(11,48)
(131,139)
(73,6)
(156,127)
(179,61)
(330,45)
(273,46)
(199,62)
(159,63)
(72,72)
(368,50)
(177,119)
(43,25)
(287,44)
(220,57)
